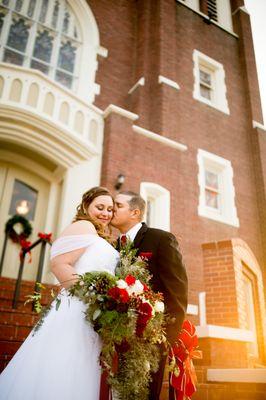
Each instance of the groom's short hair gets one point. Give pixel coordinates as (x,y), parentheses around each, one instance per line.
(136,201)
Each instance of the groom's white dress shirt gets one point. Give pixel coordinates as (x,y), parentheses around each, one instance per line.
(131,234)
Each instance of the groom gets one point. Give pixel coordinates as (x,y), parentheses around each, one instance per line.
(165,263)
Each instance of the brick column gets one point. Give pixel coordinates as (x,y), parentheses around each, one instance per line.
(224,266)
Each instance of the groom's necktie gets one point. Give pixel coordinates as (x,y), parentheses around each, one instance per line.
(122,241)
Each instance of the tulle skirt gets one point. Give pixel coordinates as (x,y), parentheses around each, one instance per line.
(58,362)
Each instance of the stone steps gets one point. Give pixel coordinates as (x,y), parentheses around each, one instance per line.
(16,324)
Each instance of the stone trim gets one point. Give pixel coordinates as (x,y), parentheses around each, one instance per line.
(192,309)
(247,375)
(121,111)
(224,332)
(169,82)
(159,138)
(140,82)
(102,51)
(256,124)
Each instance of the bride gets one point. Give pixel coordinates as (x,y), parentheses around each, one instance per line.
(60,361)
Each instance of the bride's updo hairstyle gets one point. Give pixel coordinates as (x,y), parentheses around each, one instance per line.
(82,208)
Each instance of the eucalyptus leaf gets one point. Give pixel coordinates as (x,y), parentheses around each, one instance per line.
(96,314)
(58,302)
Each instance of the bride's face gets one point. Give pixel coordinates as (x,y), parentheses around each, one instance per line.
(101,209)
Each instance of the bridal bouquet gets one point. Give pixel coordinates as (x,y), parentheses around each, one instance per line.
(129,318)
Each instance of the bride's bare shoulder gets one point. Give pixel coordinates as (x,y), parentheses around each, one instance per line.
(79,228)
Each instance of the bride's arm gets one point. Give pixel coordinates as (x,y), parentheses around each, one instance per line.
(62,266)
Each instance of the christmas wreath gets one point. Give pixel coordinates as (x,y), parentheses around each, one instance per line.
(12,234)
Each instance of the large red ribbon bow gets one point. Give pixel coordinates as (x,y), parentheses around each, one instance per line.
(183,352)
(45,236)
(24,244)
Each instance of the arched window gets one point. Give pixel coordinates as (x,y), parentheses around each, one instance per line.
(45,35)
(157,205)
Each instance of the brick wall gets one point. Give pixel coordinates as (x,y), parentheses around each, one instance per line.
(151,38)
(133,50)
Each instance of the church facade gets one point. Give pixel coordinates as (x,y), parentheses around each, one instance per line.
(161,96)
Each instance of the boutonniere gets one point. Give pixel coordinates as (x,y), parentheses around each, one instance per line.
(146,255)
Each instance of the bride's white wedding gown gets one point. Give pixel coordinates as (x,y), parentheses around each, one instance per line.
(60,360)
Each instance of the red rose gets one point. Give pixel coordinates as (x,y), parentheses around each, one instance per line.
(130,280)
(145,287)
(145,309)
(145,314)
(119,294)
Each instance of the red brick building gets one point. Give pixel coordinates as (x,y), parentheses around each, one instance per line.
(176,94)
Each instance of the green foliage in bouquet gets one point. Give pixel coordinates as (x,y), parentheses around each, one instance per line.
(129,318)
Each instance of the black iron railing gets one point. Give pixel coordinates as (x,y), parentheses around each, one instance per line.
(23,252)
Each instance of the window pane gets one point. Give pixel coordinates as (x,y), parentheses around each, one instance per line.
(43,12)
(2,17)
(18,5)
(67,57)
(40,66)
(13,58)
(66,22)
(43,46)
(211,179)
(55,14)
(211,199)
(31,8)
(18,35)
(205,77)
(24,199)
(205,92)
(64,79)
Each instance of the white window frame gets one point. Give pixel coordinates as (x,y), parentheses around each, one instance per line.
(224,13)
(84,84)
(250,314)
(161,197)
(218,99)
(227,212)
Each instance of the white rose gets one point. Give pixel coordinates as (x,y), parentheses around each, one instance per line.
(137,288)
(96,314)
(159,306)
(121,284)
(146,366)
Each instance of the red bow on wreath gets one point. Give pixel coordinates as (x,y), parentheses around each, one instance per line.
(45,236)
(24,244)
(183,352)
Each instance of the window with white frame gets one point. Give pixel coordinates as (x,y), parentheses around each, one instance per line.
(47,35)
(249,289)
(43,35)
(157,205)
(209,82)
(218,10)
(217,193)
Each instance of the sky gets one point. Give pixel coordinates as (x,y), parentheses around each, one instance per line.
(257,11)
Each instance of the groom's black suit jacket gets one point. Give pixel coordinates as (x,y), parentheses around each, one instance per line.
(168,273)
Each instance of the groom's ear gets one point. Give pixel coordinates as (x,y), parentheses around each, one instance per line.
(136,213)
